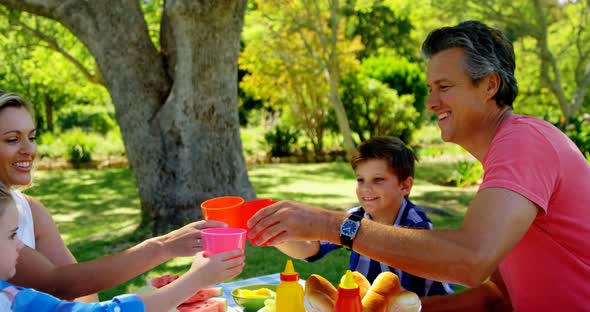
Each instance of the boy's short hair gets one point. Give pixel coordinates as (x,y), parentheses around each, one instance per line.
(5,199)
(398,156)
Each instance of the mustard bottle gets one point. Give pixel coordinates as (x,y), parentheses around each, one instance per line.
(349,299)
(289,295)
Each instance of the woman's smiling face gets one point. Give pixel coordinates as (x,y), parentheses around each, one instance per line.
(17,146)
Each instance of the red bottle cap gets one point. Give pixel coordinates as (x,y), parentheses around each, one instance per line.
(289,275)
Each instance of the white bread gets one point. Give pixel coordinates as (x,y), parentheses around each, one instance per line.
(385,286)
(362,282)
(405,301)
(320,294)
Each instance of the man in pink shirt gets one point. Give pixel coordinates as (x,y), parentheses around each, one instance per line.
(525,240)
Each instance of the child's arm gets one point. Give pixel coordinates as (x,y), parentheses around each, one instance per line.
(36,271)
(204,272)
(299,249)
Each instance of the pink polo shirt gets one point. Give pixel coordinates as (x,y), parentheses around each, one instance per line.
(549,269)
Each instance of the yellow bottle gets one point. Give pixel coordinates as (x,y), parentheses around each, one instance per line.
(290,293)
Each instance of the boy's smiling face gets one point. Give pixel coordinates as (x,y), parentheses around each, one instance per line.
(379,190)
(10,245)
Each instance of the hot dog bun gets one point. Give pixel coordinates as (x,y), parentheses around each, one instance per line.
(320,294)
(385,286)
(363,283)
(405,301)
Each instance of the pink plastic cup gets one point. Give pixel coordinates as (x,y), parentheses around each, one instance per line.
(218,240)
(226,209)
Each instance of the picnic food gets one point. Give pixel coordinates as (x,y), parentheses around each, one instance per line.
(269,306)
(405,301)
(204,300)
(385,295)
(256,293)
(320,294)
(215,304)
(384,287)
(363,283)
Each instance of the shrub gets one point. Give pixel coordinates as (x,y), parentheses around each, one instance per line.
(467,173)
(373,109)
(79,145)
(281,139)
(88,117)
(401,75)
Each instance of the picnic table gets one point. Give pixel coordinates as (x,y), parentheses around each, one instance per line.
(263,279)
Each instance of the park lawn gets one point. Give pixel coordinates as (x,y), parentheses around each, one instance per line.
(97,211)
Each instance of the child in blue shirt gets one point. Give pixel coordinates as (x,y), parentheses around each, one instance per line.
(204,272)
(384,169)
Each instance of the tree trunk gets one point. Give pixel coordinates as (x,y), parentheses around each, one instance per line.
(178,113)
(49,112)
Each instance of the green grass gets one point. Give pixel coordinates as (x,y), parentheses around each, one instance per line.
(97,211)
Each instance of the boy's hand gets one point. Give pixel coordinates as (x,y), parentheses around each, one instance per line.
(186,241)
(217,268)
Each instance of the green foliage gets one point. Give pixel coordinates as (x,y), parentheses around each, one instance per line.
(281,140)
(401,75)
(89,117)
(79,146)
(578,130)
(59,145)
(111,144)
(466,173)
(252,144)
(379,27)
(375,109)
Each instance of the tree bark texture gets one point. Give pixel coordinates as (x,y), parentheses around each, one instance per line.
(177,108)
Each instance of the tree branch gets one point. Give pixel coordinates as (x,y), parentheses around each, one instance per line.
(52,44)
(38,7)
(547,59)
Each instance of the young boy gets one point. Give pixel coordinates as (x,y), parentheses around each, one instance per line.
(384,169)
(203,273)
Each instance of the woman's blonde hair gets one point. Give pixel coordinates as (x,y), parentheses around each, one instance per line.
(8,99)
(5,199)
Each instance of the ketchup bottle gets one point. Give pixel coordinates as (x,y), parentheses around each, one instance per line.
(349,298)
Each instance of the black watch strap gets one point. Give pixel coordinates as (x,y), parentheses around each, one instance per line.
(346,240)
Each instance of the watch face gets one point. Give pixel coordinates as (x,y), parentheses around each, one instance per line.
(349,227)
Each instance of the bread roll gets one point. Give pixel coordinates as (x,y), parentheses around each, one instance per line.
(320,294)
(405,301)
(363,283)
(385,286)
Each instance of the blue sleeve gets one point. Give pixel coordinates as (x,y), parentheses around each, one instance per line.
(325,248)
(29,300)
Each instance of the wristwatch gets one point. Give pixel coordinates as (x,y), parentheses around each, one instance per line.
(348,230)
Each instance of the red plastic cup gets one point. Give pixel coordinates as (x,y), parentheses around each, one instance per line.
(218,240)
(226,209)
(250,208)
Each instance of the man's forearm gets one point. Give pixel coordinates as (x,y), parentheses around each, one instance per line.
(486,297)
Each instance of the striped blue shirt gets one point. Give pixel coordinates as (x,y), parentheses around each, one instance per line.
(409,216)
